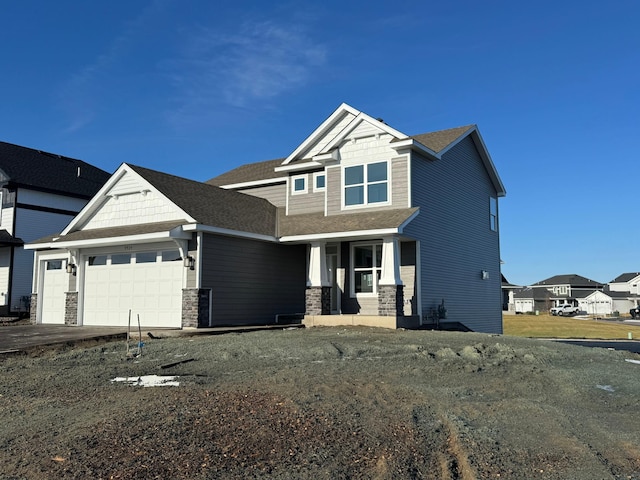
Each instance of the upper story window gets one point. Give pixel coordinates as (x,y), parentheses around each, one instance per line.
(366,184)
(299,185)
(319,182)
(493,213)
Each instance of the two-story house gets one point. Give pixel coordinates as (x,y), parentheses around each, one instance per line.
(40,193)
(360,224)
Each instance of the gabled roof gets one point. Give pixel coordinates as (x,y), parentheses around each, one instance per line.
(38,170)
(571,279)
(325,140)
(625,277)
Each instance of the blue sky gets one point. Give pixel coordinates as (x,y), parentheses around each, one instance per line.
(195,88)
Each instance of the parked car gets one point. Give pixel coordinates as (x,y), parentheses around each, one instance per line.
(635,312)
(564,309)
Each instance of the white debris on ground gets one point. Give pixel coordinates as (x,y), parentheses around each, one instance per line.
(149,381)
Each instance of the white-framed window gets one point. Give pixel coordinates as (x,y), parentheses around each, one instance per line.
(366,268)
(298,184)
(493,213)
(366,184)
(319,182)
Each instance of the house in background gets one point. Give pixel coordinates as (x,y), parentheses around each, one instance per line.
(529,300)
(40,193)
(508,299)
(567,288)
(360,224)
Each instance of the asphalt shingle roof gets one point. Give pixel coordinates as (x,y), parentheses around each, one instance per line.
(7,239)
(318,223)
(249,173)
(625,277)
(438,141)
(568,279)
(214,206)
(26,167)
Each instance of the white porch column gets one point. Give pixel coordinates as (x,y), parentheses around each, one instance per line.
(390,262)
(317,275)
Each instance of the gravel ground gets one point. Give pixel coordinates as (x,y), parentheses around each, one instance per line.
(323,403)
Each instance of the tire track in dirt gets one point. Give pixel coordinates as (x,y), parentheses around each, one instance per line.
(442,439)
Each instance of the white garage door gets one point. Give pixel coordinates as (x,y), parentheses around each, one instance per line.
(149,284)
(54,286)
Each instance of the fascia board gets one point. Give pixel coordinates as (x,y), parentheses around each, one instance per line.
(113,241)
(488,162)
(336,235)
(299,166)
(413,145)
(362,117)
(254,183)
(97,199)
(324,126)
(228,232)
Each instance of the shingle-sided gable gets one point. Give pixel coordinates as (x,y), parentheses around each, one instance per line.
(26,167)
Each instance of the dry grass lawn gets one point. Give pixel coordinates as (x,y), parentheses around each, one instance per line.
(548,326)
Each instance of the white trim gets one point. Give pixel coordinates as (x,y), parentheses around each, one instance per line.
(315,176)
(360,118)
(305,179)
(413,145)
(418,280)
(299,166)
(340,235)
(317,270)
(321,130)
(254,183)
(390,264)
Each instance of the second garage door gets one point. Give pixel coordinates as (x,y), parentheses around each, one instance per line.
(147,284)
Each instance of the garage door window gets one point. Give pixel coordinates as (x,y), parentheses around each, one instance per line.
(171,256)
(146,257)
(54,265)
(97,260)
(121,259)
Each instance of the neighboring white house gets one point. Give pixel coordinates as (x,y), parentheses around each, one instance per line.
(40,193)
(627,282)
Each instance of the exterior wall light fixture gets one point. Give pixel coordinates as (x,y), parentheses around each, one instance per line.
(484,275)
(72,269)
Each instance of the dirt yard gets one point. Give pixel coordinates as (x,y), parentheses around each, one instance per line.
(324,403)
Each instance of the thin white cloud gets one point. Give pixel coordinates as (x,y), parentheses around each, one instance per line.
(259,61)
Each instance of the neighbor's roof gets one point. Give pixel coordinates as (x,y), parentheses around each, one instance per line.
(567,279)
(535,293)
(249,173)
(214,206)
(7,239)
(318,223)
(29,168)
(625,277)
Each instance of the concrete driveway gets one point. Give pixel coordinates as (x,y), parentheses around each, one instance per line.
(17,338)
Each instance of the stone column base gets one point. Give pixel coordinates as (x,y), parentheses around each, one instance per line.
(391,300)
(33,309)
(195,307)
(318,301)
(71,308)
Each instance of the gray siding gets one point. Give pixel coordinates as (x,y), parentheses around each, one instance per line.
(251,281)
(276,193)
(456,242)
(309,202)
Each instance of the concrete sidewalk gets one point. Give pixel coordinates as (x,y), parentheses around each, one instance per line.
(19,338)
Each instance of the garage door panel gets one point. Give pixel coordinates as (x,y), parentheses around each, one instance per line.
(152,290)
(55,284)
